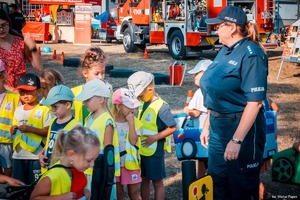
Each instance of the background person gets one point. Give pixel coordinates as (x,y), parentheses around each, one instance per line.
(196,109)
(17,19)
(15,50)
(234,86)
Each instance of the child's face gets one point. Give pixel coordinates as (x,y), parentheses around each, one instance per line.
(126,111)
(60,109)
(29,97)
(148,94)
(82,161)
(96,71)
(93,103)
(45,87)
(197,78)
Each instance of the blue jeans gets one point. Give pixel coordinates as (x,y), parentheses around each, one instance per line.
(237,179)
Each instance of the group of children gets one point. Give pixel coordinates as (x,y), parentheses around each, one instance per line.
(57,140)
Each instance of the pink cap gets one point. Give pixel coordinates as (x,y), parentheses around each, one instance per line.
(125,97)
(2,68)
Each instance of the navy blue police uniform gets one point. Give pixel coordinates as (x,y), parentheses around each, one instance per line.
(237,76)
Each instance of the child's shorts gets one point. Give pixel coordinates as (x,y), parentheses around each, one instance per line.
(5,155)
(129,177)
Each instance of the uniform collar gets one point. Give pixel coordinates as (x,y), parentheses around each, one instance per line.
(234,46)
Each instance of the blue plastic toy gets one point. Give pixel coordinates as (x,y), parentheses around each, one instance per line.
(46,49)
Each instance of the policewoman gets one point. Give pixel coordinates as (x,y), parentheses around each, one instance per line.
(234,86)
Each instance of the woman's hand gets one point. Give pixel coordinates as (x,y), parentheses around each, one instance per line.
(232,151)
(29,42)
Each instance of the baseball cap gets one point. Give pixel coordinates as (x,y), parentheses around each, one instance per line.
(138,81)
(58,93)
(2,68)
(95,87)
(29,82)
(125,97)
(232,14)
(201,66)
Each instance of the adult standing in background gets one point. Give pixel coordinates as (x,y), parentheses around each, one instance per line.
(234,86)
(16,18)
(14,50)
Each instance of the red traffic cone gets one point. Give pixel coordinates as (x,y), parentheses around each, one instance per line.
(189,97)
(54,55)
(62,58)
(146,54)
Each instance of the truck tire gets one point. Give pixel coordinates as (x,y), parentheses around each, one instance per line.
(176,46)
(128,41)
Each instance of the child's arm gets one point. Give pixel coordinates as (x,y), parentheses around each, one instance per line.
(38,131)
(108,135)
(133,137)
(10,180)
(192,112)
(42,158)
(163,134)
(43,189)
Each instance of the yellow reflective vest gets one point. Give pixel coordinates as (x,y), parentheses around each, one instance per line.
(132,156)
(60,180)
(8,106)
(149,119)
(78,104)
(31,141)
(99,126)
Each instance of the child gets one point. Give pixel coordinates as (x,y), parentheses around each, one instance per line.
(196,109)
(76,151)
(158,125)
(50,78)
(9,102)
(30,127)
(95,95)
(60,99)
(93,66)
(124,103)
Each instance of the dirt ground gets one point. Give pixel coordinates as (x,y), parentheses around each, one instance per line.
(285,92)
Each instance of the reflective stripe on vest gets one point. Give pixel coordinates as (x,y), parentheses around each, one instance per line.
(99,126)
(149,119)
(132,156)
(31,141)
(9,104)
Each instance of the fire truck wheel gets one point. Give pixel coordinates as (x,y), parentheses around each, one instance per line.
(176,46)
(128,41)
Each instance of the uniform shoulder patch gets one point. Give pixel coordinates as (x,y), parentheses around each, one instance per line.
(251,50)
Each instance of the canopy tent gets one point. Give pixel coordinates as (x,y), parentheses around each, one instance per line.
(103,17)
(65,2)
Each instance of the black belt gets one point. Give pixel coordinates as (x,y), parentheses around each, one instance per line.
(225,115)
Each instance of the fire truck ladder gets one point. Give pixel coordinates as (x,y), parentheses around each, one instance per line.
(269,11)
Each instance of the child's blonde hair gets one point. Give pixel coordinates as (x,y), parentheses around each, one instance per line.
(52,77)
(93,55)
(78,139)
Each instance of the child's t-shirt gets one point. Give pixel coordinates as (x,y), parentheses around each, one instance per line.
(22,117)
(197,103)
(55,128)
(122,128)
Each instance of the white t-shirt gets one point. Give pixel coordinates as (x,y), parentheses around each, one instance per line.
(22,116)
(196,103)
(122,128)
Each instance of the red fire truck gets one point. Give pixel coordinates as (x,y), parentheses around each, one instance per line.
(180,24)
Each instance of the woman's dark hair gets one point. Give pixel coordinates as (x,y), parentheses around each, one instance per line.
(5,16)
